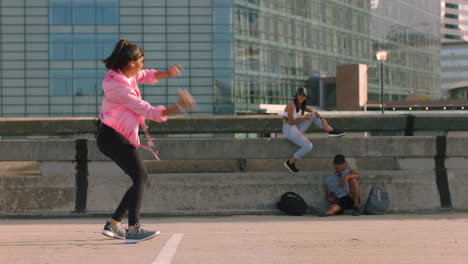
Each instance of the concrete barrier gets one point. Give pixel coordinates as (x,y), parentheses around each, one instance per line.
(392,124)
(229,176)
(457,171)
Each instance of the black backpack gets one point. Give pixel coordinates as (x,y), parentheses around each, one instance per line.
(293,204)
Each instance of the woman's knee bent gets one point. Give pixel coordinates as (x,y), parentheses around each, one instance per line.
(141,179)
(306,148)
(309,146)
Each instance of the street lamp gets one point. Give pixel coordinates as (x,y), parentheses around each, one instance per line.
(381,56)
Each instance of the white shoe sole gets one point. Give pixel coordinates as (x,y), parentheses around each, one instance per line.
(134,241)
(110,234)
(339,135)
(287,167)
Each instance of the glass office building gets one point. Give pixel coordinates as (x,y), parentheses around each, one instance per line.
(236,54)
(454,69)
(51,52)
(280,45)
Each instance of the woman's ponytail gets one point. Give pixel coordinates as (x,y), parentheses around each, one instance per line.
(124,52)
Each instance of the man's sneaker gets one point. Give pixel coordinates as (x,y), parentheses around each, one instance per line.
(336,133)
(291,167)
(113,231)
(356,211)
(317,212)
(139,234)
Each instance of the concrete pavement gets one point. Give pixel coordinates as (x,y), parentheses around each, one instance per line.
(414,239)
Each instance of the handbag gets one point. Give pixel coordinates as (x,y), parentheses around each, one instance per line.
(377,202)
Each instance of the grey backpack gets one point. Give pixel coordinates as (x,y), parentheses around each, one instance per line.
(378,201)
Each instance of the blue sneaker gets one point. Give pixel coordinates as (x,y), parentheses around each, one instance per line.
(139,234)
(117,232)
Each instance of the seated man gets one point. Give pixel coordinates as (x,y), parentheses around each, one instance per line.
(342,188)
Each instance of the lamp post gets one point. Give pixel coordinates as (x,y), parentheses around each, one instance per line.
(381,56)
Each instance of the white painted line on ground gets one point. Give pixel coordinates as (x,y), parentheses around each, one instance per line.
(168,251)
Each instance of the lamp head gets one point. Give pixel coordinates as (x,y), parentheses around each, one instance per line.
(381,55)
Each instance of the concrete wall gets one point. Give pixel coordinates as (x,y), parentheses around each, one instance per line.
(229,176)
(394,124)
(457,170)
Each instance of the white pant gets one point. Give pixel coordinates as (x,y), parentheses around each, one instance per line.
(295,134)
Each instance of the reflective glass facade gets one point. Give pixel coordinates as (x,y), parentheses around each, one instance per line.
(282,44)
(454,69)
(51,52)
(236,54)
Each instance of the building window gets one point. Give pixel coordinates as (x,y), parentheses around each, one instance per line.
(83,12)
(448,36)
(453,16)
(449,5)
(60,47)
(61,82)
(81,46)
(75,82)
(451,26)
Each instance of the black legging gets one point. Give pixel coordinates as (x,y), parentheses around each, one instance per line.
(119,149)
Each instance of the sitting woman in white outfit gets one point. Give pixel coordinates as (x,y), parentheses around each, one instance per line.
(294,126)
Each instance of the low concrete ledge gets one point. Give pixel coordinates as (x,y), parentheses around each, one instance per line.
(50,126)
(275,165)
(457,146)
(420,173)
(257,192)
(38,150)
(257,148)
(394,123)
(51,191)
(458,182)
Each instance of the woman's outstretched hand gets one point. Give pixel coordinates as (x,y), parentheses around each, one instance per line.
(174,70)
(186,100)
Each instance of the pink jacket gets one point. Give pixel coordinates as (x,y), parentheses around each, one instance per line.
(122,107)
